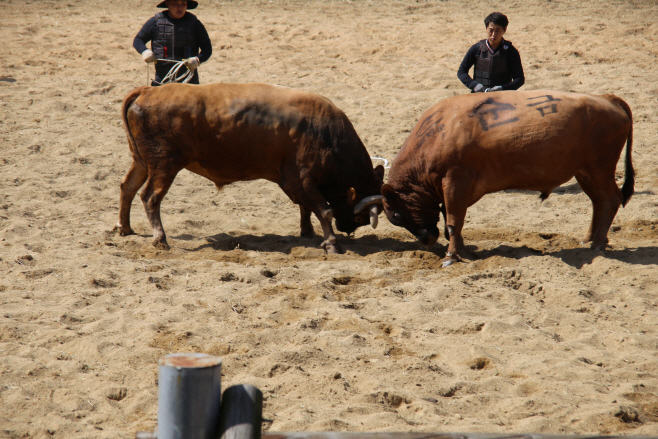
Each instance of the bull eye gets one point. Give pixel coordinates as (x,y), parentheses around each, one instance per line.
(359,220)
(397,216)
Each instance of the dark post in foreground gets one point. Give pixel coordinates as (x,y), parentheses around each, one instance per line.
(241,416)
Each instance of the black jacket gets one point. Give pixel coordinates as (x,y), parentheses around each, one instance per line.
(513,60)
(198,38)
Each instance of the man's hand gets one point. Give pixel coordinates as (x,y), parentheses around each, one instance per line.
(192,63)
(478,88)
(148,56)
(496,88)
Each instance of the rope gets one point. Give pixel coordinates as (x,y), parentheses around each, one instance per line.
(385,161)
(172,76)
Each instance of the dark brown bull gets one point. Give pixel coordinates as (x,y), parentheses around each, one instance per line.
(468,146)
(240,132)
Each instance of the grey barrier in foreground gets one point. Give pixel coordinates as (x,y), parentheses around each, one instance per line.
(192,406)
(330,435)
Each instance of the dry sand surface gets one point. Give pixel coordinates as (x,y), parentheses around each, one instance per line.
(539,334)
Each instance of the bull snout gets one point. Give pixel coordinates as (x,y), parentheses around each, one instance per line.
(428,236)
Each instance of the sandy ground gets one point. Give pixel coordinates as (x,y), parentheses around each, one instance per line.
(540,334)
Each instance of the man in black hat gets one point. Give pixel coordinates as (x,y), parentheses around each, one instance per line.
(497,62)
(175,35)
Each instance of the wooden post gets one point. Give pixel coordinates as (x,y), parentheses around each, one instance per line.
(241,415)
(189,396)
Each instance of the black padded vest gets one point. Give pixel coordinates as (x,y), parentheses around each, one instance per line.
(491,69)
(175,42)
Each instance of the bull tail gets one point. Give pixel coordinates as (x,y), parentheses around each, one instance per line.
(628,188)
(127,102)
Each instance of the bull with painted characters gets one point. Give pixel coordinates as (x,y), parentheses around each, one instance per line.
(468,146)
(240,132)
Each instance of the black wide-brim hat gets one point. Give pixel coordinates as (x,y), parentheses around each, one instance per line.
(191,4)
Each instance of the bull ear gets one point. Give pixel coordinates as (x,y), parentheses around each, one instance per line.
(351,196)
(388,192)
(379,171)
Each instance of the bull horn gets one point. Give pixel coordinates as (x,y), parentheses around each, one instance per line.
(374,216)
(368,201)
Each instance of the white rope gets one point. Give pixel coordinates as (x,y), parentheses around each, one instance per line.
(385,161)
(173,72)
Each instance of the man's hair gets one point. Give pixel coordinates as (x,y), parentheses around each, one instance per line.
(496,18)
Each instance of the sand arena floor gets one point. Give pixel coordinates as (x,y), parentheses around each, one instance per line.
(539,334)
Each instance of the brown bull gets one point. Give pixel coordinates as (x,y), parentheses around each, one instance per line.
(240,132)
(468,146)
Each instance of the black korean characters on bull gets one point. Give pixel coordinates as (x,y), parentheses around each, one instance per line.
(241,132)
(468,146)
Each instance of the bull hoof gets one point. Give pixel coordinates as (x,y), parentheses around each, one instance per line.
(161,245)
(307,234)
(123,231)
(330,247)
(599,247)
(450,259)
(447,262)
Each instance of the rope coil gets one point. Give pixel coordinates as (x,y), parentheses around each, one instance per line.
(172,75)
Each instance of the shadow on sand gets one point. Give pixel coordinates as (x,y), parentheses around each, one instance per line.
(577,257)
(371,244)
(362,246)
